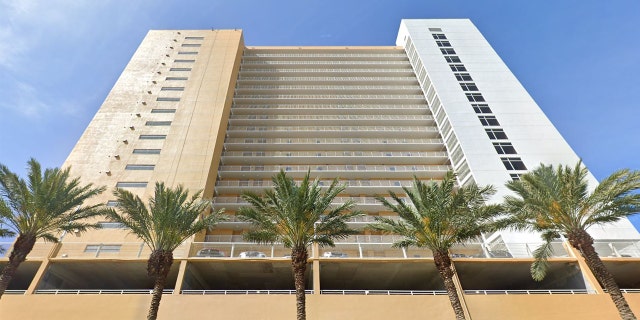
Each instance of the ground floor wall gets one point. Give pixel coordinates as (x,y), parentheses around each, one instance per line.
(319,307)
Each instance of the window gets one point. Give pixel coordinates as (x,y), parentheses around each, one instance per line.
(112,203)
(113,248)
(167,99)
(447,51)
(456,155)
(111,225)
(441,43)
(140,167)
(131,185)
(184,60)
(176,78)
(146,151)
(243,183)
(504,148)
(245,168)
(157,123)
(469,86)
(463,77)
(187,52)
(172,89)
(496,134)
(163,110)
(513,164)
(515,176)
(457,67)
(452,59)
(488,120)
(153,136)
(475,97)
(438,36)
(481,108)
(191,45)
(180,69)
(435,29)
(194,38)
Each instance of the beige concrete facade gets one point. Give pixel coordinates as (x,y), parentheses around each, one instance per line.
(201,109)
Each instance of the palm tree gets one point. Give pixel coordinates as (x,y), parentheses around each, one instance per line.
(41,207)
(438,216)
(169,219)
(297,216)
(557,201)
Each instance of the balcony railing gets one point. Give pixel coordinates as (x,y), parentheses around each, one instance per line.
(349,168)
(334,141)
(331,117)
(386,292)
(617,248)
(551,291)
(111,250)
(259,129)
(367,154)
(99,291)
(329,79)
(241,292)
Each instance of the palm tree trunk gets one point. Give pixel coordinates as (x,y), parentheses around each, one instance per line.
(158,267)
(443,264)
(21,248)
(582,241)
(299,257)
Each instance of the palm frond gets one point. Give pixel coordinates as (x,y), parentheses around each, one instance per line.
(297,215)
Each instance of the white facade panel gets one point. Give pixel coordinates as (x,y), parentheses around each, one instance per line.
(534,137)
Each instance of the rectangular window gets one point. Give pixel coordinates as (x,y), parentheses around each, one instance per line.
(187,52)
(469,86)
(504,148)
(435,29)
(438,36)
(176,78)
(475,97)
(488,120)
(191,45)
(157,123)
(146,151)
(163,110)
(457,67)
(180,69)
(113,248)
(140,167)
(496,134)
(463,170)
(515,176)
(184,61)
(131,185)
(441,43)
(172,89)
(481,108)
(456,155)
(447,51)
(167,99)
(194,38)
(513,164)
(452,59)
(112,203)
(111,225)
(463,77)
(153,136)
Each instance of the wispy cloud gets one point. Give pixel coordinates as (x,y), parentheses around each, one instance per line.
(37,41)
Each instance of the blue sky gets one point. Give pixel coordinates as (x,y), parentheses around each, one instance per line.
(580,60)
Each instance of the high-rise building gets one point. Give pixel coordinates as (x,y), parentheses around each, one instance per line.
(201,109)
